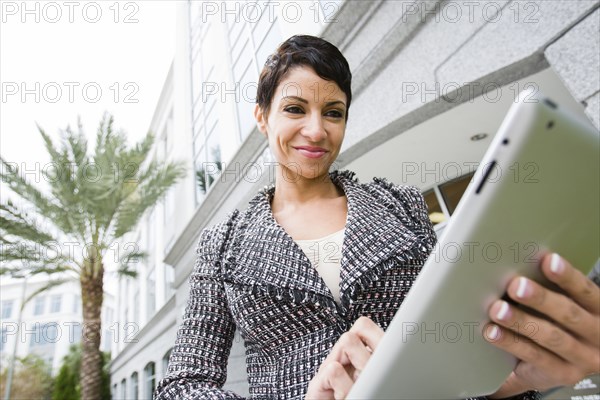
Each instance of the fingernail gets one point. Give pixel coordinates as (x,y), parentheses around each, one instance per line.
(556,264)
(503,312)
(523,287)
(493,333)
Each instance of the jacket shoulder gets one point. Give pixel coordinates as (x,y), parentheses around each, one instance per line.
(401,199)
(212,244)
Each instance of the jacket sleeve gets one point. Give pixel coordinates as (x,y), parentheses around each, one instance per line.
(411,200)
(198,363)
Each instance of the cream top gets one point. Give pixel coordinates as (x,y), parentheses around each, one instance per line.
(325,254)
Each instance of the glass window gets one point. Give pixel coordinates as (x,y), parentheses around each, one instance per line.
(247,101)
(55,302)
(453,190)
(124,388)
(169,208)
(7,306)
(165,362)
(238,40)
(214,146)
(169,278)
(212,117)
(261,28)
(76,303)
(268,46)
(75,333)
(136,305)
(38,308)
(235,23)
(199,144)
(3,340)
(43,335)
(436,215)
(242,63)
(151,292)
(149,379)
(134,387)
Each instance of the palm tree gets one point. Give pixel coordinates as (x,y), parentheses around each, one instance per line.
(95,199)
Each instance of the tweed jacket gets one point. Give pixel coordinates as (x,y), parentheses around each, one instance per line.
(251,275)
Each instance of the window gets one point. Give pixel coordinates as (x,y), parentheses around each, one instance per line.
(169,278)
(136,305)
(151,292)
(149,379)
(436,215)
(76,303)
(453,190)
(165,362)
(74,332)
(7,306)
(124,388)
(38,308)
(443,199)
(43,335)
(134,387)
(3,340)
(55,301)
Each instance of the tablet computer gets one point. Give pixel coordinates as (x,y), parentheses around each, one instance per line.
(536,190)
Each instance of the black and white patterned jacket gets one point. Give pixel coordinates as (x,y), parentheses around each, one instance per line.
(250,274)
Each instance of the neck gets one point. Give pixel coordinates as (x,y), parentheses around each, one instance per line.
(292,189)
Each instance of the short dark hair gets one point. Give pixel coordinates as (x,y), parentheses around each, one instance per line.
(304,50)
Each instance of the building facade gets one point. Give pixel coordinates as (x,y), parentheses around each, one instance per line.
(49,323)
(432,81)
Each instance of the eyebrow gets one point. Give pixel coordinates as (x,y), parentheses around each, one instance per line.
(300,99)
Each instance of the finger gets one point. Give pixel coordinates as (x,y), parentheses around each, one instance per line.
(544,368)
(350,349)
(546,335)
(333,377)
(368,331)
(579,287)
(557,307)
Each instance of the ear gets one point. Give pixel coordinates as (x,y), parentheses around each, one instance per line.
(261,120)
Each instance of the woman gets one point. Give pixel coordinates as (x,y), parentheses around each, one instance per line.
(312,272)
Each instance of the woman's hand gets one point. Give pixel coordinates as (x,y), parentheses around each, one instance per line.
(560,349)
(347,359)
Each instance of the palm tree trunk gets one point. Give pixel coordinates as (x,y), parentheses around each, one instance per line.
(91,358)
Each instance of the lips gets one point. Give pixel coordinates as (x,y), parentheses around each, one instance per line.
(311,151)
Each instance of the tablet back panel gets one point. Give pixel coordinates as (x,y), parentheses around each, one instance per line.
(536,190)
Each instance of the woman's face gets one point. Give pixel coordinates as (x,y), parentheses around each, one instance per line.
(306,123)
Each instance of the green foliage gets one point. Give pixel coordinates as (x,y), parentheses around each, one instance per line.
(66,383)
(206,178)
(105,390)
(31,379)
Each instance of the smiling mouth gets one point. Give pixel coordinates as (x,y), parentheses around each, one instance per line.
(311,152)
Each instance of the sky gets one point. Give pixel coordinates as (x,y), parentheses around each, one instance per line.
(68,59)
(64,59)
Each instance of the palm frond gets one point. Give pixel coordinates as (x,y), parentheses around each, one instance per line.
(151,187)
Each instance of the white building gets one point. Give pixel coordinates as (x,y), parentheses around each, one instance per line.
(432,80)
(50,321)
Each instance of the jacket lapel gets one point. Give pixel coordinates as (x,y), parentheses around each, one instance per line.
(264,257)
(373,236)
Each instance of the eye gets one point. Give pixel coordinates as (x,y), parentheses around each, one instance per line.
(334,113)
(293,109)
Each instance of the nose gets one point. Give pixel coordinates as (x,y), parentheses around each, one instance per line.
(314,128)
